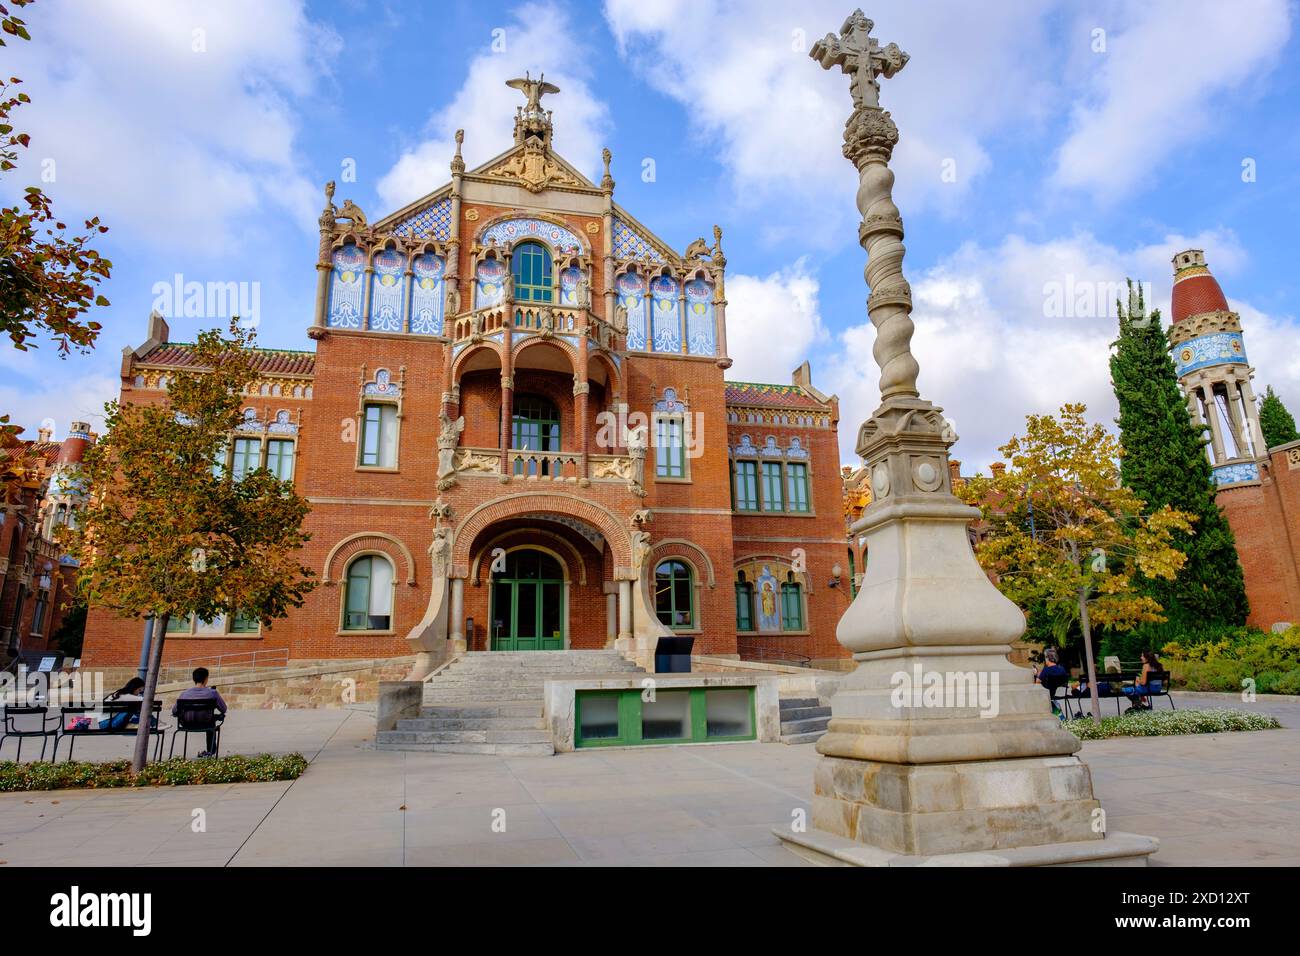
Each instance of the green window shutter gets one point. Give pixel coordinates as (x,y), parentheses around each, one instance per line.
(379,436)
(241,623)
(357,609)
(669,457)
(248,455)
(791,607)
(746,485)
(773,500)
(797,479)
(744,606)
(279,458)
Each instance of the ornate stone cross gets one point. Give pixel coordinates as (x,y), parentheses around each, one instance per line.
(856,52)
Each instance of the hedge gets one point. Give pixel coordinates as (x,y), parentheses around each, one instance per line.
(175,772)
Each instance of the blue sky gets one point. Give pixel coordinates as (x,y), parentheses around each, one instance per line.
(1045,145)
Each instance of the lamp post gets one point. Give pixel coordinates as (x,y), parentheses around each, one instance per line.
(939,749)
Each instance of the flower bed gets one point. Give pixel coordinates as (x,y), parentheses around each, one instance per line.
(1168,723)
(165,773)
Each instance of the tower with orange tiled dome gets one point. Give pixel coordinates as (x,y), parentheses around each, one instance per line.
(1210,359)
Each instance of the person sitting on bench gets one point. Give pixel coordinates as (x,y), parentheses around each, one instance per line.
(124,718)
(1150,664)
(1052,675)
(201,691)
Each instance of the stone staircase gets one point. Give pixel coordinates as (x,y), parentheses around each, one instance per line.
(491,702)
(803,719)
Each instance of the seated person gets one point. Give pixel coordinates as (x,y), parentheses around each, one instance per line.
(1052,675)
(124,718)
(201,691)
(1150,664)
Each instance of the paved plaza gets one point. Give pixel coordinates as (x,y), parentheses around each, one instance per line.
(1210,799)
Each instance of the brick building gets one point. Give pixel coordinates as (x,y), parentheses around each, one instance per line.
(515,432)
(38,494)
(1259,488)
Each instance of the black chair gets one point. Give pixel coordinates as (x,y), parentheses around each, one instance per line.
(45,731)
(85,723)
(197,717)
(1058,682)
(1157,686)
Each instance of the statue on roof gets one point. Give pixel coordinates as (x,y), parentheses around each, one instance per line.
(533,89)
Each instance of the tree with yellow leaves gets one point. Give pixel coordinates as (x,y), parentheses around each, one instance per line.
(1065,538)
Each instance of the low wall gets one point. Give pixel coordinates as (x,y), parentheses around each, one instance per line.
(297,685)
(561,695)
(792,681)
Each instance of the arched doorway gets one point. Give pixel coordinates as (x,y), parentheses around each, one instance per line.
(528,609)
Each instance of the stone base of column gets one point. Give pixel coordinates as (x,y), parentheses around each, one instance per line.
(1115,849)
(424,663)
(458,646)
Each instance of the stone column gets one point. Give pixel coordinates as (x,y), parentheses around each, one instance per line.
(611,617)
(456,626)
(1216,427)
(507,390)
(908,777)
(625,611)
(1239,437)
(1252,418)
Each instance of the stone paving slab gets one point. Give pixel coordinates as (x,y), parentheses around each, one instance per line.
(1211,799)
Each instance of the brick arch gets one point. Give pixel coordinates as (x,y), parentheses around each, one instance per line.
(463,357)
(536,341)
(689,550)
(372,542)
(511,506)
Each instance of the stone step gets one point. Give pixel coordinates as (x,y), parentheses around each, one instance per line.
(529,671)
(386,741)
(471,723)
(817,724)
(809,738)
(804,713)
(475,711)
(416,736)
(471,695)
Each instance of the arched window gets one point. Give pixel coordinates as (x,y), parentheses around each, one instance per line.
(531,266)
(744,603)
(791,604)
(674,597)
(369,601)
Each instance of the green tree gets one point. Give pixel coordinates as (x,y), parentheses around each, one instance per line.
(167,533)
(1165,464)
(1065,540)
(1275,421)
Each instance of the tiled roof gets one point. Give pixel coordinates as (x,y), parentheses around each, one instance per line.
(267,361)
(49,450)
(1196,291)
(769,396)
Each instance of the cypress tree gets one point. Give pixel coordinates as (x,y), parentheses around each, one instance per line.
(1165,463)
(1275,421)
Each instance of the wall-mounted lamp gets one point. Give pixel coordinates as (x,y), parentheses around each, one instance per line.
(836,571)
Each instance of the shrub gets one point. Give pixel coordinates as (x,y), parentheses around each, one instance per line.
(166,773)
(1223,659)
(1165,723)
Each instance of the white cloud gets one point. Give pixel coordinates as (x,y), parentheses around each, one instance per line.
(772,323)
(541,40)
(1161,84)
(744,78)
(996,340)
(165,142)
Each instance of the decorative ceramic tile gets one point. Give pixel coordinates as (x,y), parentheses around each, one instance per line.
(431,222)
(629,244)
(1217,348)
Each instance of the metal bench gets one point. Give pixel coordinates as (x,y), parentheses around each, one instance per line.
(85,721)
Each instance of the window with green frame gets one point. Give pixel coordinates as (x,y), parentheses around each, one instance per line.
(531,267)
(745,485)
(369,596)
(773,499)
(744,604)
(623,718)
(379,435)
(791,604)
(796,477)
(279,458)
(534,426)
(238,623)
(670,454)
(247,457)
(674,595)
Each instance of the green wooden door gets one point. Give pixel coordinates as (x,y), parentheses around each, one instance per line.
(528,603)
